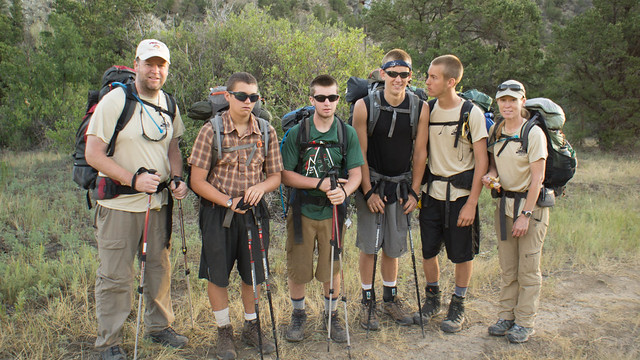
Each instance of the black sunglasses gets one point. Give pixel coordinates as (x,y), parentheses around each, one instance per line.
(394,74)
(242,96)
(322,98)
(514,87)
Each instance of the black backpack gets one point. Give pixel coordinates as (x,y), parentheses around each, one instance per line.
(561,160)
(116,76)
(358,88)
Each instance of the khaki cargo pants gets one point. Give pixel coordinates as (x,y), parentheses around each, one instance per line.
(119,238)
(520,264)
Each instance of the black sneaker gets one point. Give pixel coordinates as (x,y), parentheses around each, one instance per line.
(338,333)
(365,322)
(113,353)
(225,350)
(455,317)
(430,308)
(169,337)
(519,334)
(250,336)
(501,327)
(295,332)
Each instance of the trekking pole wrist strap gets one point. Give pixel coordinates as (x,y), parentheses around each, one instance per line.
(141,170)
(368,194)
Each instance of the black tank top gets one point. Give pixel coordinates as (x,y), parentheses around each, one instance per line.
(391,156)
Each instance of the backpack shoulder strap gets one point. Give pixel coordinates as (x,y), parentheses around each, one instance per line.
(171,105)
(536,120)
(432,104)
(414,106)
(125,116)
(264,130)
(467,106)
(374,111)
(216,146)
(342,138)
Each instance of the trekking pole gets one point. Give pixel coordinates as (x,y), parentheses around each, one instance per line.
(265,267)
(332,179)
(342,285)
(187,271)
(373,276)
(404,195)
(143,259)
(255,289)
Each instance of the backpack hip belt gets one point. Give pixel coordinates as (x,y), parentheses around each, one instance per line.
(463,180)
(380,181)
(517,199)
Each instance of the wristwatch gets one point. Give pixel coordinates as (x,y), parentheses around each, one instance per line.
(229,202)
(526,213)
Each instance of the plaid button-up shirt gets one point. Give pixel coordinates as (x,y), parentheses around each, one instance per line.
(231,174)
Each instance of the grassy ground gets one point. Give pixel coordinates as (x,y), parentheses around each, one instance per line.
(590,306)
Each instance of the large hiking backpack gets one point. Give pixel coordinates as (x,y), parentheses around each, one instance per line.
(358,88)
(211,110)
(483,101)
(115,76)
(561,160)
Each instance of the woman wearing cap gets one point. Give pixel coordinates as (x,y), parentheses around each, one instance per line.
(521,225)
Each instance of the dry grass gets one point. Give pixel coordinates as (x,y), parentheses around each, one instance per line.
(590,306)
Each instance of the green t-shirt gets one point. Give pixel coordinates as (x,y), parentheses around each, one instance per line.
(318,160)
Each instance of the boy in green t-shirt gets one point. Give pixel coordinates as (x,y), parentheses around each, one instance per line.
(308,166)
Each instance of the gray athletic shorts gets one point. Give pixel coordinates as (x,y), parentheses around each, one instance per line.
(393,232)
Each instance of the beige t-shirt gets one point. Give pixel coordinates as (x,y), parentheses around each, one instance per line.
(513,164)
(444,159)
(132,150)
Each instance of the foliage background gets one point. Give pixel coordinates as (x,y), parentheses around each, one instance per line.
(583,54)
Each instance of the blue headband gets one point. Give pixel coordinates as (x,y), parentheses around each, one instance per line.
(396,63)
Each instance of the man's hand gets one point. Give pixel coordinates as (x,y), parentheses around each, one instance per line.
(410,204)
(179,191)
(147,182)
(467,215)
(375,204)
(336,196)
(254,194)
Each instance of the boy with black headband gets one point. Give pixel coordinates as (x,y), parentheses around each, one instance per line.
(395,149)
(449,212)
(308,169)
(228,185)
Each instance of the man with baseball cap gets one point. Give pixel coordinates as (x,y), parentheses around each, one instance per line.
(145,158)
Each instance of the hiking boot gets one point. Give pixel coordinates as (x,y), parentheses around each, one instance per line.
(250,337)
(113,353)
(519,334)
(430,308)
(397,311)
(501,327)
(455,317)
(365,322)
(338,333)
(295,332)
(169,337)
(225,349)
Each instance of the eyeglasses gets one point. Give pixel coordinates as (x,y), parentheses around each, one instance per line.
(323,98)
(514,87)
(242,96)
(394,74)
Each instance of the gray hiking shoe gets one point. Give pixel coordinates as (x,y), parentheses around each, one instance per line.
(519,334)
(430,308)
(455,317)
(225,349)
(397,311)
(365,322)
(113,353)
(338,333)
(169,337)
(295,332)
(501,327)
(251,337)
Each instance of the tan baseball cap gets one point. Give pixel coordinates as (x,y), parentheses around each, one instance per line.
(149,48)
(511,88)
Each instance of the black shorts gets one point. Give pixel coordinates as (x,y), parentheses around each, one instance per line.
(221,247)
(462,243)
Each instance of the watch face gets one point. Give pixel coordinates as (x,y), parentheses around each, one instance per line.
(229,202)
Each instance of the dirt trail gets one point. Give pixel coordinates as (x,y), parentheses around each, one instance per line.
(582,315)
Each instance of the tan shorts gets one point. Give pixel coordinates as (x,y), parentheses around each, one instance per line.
(315,233)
